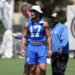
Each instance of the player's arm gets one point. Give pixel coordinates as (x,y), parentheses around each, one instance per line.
(49,40)
(14,36)
(17,35)
(23,41)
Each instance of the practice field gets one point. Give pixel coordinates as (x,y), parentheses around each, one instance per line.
(15,67)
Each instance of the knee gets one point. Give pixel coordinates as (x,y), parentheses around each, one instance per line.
(43,68)
(33,68)
(26,69)
(37,70)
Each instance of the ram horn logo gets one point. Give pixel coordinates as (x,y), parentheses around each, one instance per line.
(73,27)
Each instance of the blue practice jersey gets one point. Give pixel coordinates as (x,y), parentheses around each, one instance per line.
(36,31)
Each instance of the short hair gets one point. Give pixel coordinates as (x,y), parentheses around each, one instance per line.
(24,7)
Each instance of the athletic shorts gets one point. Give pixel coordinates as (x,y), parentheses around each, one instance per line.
(36,54)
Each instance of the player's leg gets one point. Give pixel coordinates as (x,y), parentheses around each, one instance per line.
(30,59)
(54,64)
(26,69)
(42,69)
(62,63)
(37,70)
(26,66)
(29,69)
(42,54)
(32,69)
(17,36)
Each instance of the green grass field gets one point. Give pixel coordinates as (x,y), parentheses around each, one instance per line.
(15,67)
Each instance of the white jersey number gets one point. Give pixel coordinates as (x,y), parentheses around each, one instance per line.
(37,34)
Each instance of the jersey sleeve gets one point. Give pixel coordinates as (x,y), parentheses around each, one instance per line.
(19,36)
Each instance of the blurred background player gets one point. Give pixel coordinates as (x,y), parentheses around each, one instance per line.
(37,30)
(25,11)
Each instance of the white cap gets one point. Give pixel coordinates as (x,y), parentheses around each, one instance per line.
(54,15)
(36,8)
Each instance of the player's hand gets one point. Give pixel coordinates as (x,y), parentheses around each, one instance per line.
(49,54)
(59,52)
(22,53)
(14,35)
